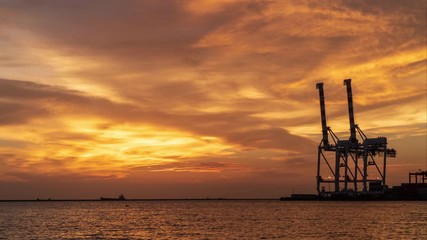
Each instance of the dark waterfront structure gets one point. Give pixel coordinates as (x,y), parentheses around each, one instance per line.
(421,175)
(354,167)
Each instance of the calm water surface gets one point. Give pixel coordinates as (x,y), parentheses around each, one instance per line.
(213,220)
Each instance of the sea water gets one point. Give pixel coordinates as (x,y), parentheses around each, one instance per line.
(213,220)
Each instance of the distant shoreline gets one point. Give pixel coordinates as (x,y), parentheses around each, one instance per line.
(141,200)
(211,199)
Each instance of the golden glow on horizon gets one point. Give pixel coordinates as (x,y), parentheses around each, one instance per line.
(86,145)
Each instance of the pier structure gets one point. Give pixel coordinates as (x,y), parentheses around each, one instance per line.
(355,166)
(418,177)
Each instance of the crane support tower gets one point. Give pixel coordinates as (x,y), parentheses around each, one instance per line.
(355,167)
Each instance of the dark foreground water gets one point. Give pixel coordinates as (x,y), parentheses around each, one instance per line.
(213,220)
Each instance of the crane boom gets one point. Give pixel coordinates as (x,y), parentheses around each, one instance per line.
(323,114)
(353,138)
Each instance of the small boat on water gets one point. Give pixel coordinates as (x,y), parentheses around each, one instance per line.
(120,198)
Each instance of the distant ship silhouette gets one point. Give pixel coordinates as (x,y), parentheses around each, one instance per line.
(120,198)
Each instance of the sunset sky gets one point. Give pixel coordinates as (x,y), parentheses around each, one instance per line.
(203,98)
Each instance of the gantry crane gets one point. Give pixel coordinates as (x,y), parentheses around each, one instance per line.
(347,169)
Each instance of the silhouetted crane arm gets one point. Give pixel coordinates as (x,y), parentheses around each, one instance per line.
(353,138)
(323,114)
